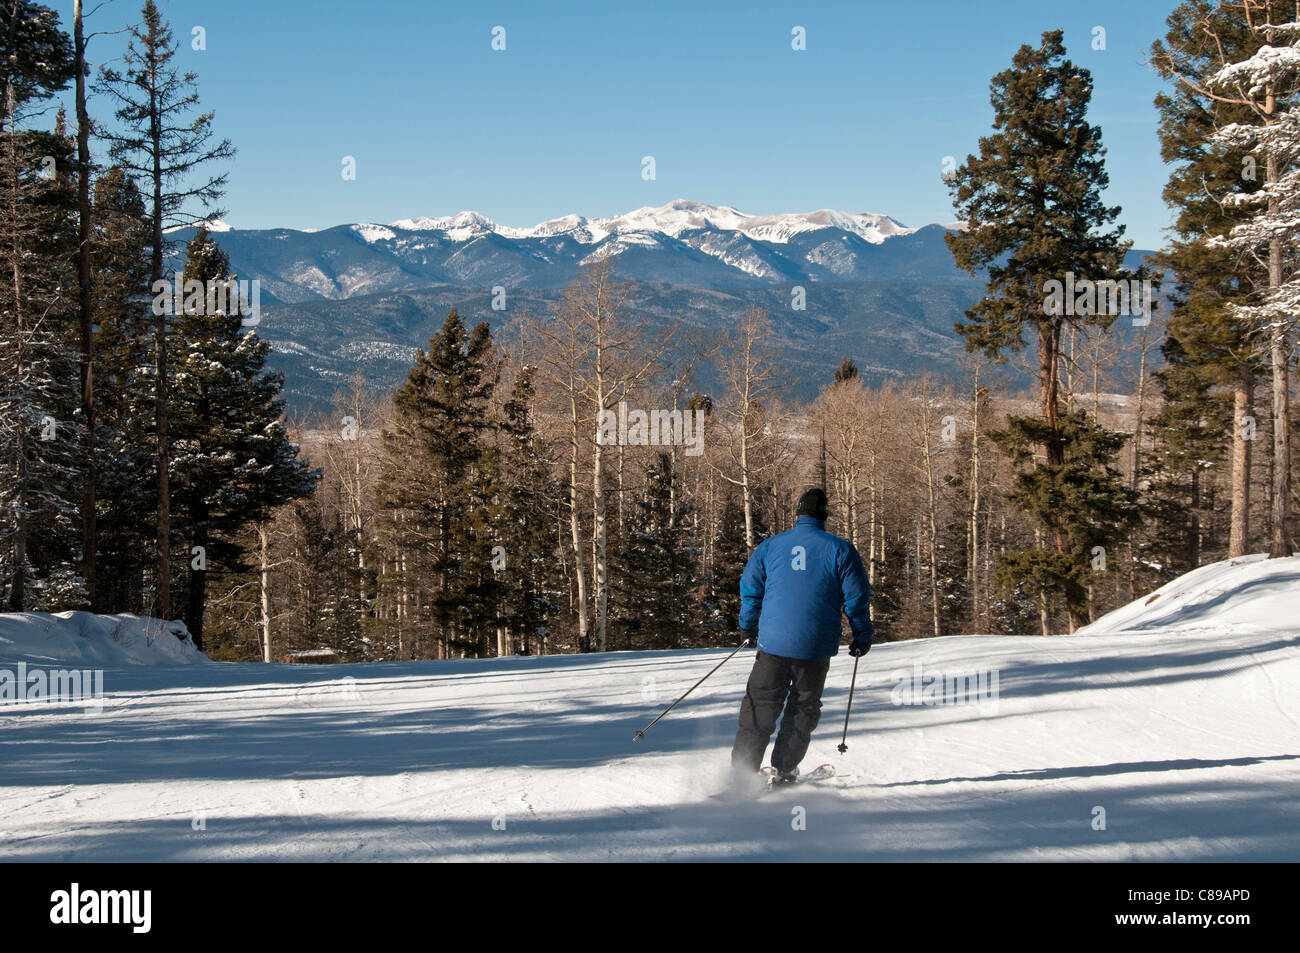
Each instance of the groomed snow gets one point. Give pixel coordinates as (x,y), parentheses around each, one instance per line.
(1186,733)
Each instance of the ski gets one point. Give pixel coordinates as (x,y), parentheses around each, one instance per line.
(768,783)
(819,773)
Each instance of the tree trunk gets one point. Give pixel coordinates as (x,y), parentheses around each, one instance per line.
(1049,386)
(972,558)
(599,534)
(1280,543)
(265,587)
(1242,391)
(162,585)
(930,511)
(17,589)
(575,528)
(746,495)
(198,588)
(85,307)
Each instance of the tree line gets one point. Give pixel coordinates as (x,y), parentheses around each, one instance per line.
(139,431)
(567,485)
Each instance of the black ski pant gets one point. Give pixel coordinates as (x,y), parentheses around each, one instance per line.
(776,682)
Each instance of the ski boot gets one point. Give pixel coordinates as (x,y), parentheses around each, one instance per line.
(777,778)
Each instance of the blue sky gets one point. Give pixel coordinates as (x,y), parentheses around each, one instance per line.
(559,122)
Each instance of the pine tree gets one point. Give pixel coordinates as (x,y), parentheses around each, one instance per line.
(1183,527)
(36,59)
(530,509)
(38,427)
(1032,203)
(435,493)
(232,460)
(661,573)
(1082,500)
(1208,345)
(124,391)
(1267,82)
(731,553)
(38,400)
(160,145)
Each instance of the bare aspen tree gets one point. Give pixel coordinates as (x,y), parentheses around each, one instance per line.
(350,450)
(841,414)
(975,363)
(264,589)
(926,426)
(620,358)
(749,370)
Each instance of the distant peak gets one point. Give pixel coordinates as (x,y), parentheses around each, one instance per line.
(672,219)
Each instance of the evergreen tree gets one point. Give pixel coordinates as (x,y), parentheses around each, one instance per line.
(1081,500)
(730,554)
(38,399)
(1032,203)
(530,509)
(39,470)
(161,145)
(661,573)
(1208,346)
(1183,526)
(124,391)
(36,59)
(435,492)
(233,461)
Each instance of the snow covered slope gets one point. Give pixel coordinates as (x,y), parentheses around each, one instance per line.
(85,640)
(1252,593)
(1184,740)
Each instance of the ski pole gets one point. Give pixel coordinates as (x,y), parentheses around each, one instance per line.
(641,734)
(842,746)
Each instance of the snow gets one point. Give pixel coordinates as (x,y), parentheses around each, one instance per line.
(374,233)
(85,640)
(1251,593)
(212,225)
(459,227)
(672,219)
(1178,718)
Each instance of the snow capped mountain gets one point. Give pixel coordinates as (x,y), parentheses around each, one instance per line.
(213,225)
(365,294)
(374,233)
(674,219)
(460,227)
(682,243)
(577,226)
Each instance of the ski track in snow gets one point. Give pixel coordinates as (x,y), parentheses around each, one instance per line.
(1184,736)
(1174,714)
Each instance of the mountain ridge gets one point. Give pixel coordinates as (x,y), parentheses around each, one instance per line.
(368,294)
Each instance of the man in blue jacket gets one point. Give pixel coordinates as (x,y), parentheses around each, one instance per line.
(791,594)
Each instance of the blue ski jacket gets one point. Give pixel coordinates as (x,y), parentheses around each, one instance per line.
(795,585)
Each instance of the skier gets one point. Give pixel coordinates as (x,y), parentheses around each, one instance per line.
(791,594)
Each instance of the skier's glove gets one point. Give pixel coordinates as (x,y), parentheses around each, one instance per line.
(749,635)
(858,648)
